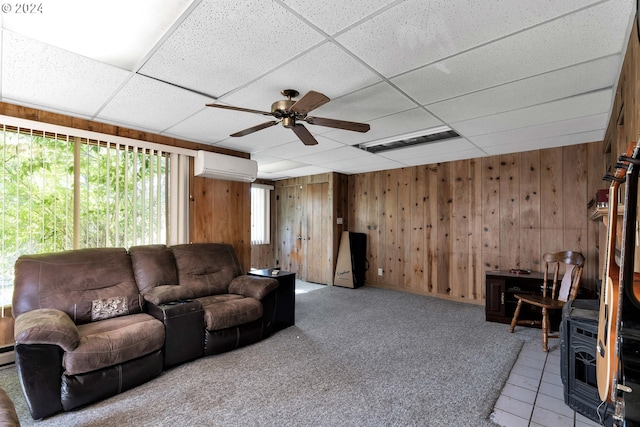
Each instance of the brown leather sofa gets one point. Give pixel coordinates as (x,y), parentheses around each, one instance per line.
(92,323)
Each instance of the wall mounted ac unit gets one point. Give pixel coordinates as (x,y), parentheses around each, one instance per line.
(220,166)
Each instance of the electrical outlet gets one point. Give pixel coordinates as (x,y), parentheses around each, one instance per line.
(379,272)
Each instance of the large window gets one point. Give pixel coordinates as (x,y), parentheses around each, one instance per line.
(260,214)
(61,191)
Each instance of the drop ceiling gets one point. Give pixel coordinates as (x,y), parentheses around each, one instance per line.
(506,75)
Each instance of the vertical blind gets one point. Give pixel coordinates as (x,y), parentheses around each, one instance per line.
(260,214)
(123,195)
(64,192)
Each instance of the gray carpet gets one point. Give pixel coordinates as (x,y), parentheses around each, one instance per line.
(356,357)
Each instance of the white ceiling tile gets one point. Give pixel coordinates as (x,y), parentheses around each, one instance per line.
(471,153)
(151,104)
(332,16)
(342,153)
(40,74)
(271,176)
(385,127)
(381,166)
(564,83)
(217,48)
(326,69)
(306,171)
(375,163)
(262,140)
(282,165)
(249,144)
(366,104)
(547,130)
(417,32)
(577,106)
(539,144)
(432,149)
(264,158)
(548,47)
(304,153)
(213,125)
(109,31)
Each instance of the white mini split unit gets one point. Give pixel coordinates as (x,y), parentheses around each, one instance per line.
(220,166)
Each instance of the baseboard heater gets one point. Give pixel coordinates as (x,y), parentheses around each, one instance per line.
(7,355)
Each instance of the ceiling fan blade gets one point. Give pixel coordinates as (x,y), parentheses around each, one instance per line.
(304,134)
(255,128)
(338,124)
(246,110)
(310,101)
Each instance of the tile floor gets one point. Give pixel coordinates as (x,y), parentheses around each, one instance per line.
(534,395)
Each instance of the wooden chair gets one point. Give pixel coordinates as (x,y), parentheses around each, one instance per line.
(561,292)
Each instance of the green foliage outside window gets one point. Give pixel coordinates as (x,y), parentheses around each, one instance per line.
(122,197)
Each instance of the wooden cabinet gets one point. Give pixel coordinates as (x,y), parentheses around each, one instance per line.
(501,286)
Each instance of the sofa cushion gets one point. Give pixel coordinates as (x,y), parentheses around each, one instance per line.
(153,265)
(215,299)
(105,308)
(206,268)
(113,341)
(230,311)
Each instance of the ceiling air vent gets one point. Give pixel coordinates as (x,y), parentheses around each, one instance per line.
(427,136)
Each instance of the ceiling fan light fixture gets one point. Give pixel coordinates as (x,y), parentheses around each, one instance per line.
(426,136)
(288,122)
(288,111)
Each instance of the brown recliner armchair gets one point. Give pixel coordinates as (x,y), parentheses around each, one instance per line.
(80,330)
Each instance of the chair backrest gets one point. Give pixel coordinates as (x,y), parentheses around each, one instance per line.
(567,288)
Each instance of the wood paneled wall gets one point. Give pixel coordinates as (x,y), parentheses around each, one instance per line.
(220,211)
(436,229)
(624,125)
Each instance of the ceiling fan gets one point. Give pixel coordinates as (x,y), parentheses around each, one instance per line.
(289,112)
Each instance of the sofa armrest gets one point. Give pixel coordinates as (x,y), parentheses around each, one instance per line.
(253,286)
(167,293)
(46,326)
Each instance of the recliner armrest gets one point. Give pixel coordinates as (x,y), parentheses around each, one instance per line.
(253,286)
(167,293)
(46,326)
